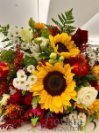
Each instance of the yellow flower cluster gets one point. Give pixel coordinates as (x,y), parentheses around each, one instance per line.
(95,71)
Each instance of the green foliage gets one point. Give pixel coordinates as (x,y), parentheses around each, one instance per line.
(65,22)
(46,53)
(12,72)
(7,56)
(4,29)
(29,61)
(31,23)
(68,110)
(45,33)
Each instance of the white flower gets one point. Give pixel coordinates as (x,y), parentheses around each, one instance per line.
(92,55)
(89,50)
(43,43)
(32,79)
(35,48)
(97,59)
(36,56)
(25,45)
(27,86)
(91,63)
(86,95)
(4,99)
(30,68)
(17,83)
(82,119)
(21,75)
(73,121)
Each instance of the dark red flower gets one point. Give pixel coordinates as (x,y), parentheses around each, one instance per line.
(15,98)
(38,111)
(53,30)
(28,98)
(3,87)
(49,122)
(80,38)
(4,69)
(79,65)
(95,84)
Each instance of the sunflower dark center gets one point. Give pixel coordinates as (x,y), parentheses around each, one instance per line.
(61,47)
(54,83)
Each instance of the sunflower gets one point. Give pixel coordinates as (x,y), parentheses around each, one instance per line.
(55,86)
(63,45)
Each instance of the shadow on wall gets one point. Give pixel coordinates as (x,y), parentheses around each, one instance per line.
(83,10)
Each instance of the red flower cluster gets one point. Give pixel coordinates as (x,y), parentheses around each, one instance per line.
(80,65)
(53,30)
(80,38)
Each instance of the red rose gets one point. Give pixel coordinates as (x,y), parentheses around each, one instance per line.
(49,122)
(16,98)
(80,38)
(28,98)
(95,84)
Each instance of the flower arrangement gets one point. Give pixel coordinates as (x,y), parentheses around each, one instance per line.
(47,69)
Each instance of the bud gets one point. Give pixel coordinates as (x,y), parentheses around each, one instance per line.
(61,58)
(53,56)
(52,61)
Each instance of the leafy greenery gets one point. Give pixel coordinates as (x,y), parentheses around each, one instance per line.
(4,29)
(45,33)
(29,61)
(65,22)
(7,56)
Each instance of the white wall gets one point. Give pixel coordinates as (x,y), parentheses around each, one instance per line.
(83,9)
(18,12)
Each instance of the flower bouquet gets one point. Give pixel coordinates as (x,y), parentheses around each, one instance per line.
(48,75)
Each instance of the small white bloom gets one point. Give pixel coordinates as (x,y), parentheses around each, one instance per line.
(89,50)
(35,48)
(97,59)
(17,83)
(32,79)
(27,86)
(21,75)
(86,95)
(4,99)
(73,115)
(25,45)
(30,68)
(92,55)
(82,119)
(91,63)
(36,56)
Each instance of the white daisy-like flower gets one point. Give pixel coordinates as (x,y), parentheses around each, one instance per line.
(4,99)
(92,55)
(25,45)
(32,79)
(73,115)
(21,75)
(16,83)
(35,48)
(27,86)
(30,68)
(89,50)
(91,63)
(82,119)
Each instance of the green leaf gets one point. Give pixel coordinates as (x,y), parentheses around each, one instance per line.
(65,22)
(29,61)
(6,39)
(45,33)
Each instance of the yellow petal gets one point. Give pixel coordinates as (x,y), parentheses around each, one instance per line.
(57,101)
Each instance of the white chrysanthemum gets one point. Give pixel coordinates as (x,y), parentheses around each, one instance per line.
(16,83)
(30,68)
(73,119)
(27,86)
(35,48)
(32,79)
(25,45)
(92,63)
(82,119)
(21,75)
(92,55)
(43,43)
(4,99)
(86,95)
(89,50)
(13,32)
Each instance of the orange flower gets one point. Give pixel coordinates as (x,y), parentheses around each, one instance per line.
(95,71)
(39,25)
(4,69)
